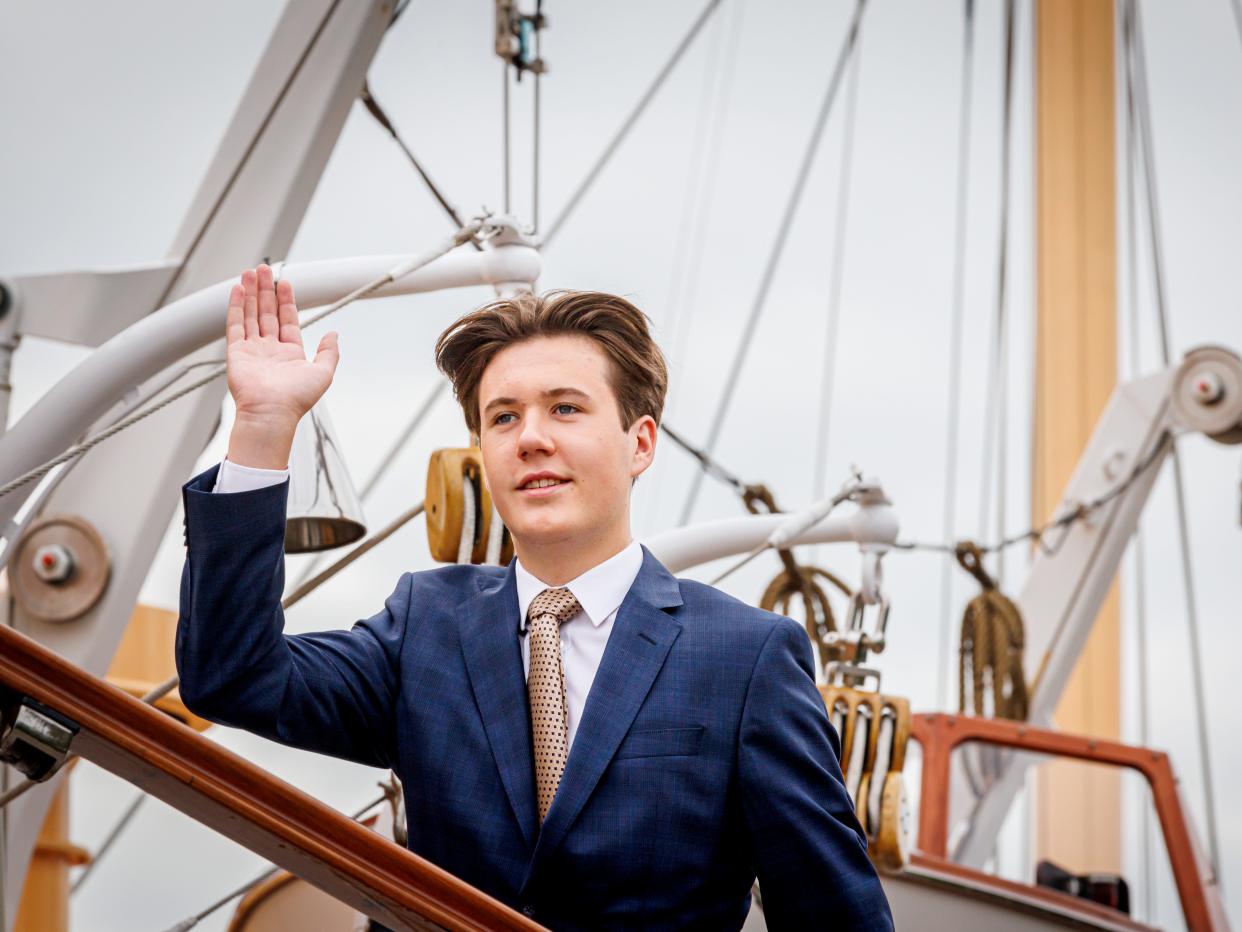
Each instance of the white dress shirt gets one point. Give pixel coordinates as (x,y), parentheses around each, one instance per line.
(600,591)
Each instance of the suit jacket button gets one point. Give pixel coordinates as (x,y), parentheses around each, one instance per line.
(528,911)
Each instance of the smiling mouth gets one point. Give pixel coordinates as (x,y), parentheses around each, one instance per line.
(543,485)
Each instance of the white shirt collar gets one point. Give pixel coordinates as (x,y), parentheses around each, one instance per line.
(600,590)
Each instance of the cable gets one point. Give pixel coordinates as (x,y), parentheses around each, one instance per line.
(536,120)
(1140,560)
(997,394)
(245,888)
(706,463)
(108,842)
(396,272)
(949,523)
(818,477)
(628,124)
(386,461)
(1139,63)
(373,107)
(504,79)
(778,247)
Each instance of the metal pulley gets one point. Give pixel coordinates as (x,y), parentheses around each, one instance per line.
(1207,395)
(460,516)
(323,510)
(60,568)
(874,731)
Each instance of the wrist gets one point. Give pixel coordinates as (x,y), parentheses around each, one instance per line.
(261,441)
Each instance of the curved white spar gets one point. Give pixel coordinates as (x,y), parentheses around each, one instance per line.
(159,340)
(873,526)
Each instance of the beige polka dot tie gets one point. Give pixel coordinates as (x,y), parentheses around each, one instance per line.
(549,717)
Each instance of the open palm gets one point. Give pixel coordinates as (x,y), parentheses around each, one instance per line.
(268,373)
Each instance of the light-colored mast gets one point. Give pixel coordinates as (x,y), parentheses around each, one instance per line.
(1078,811)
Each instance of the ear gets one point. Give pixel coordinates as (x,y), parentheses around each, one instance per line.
(643,436)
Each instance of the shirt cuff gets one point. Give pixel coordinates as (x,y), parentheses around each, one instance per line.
(233,477)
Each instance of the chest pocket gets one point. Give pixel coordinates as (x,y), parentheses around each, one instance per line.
(661,742)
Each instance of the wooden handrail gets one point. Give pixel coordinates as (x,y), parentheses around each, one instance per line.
(246,803)
(940,734)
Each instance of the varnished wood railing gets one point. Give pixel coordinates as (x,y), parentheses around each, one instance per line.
(245,803)
(940,734)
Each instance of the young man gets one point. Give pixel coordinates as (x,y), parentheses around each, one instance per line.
(580,734)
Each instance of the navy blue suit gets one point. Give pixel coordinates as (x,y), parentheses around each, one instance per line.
(704,755)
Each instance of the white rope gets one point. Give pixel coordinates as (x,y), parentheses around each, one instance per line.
(465,546)
(495,537)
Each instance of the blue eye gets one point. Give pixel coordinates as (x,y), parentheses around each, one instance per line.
(498,418)
(572,408)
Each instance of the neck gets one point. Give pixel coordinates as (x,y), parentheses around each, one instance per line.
(558,563)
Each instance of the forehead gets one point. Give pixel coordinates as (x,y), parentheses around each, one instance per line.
(560,360)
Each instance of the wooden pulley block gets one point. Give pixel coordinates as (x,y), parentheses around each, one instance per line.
(448,473)
(890,839)
(60,568)
(860,805)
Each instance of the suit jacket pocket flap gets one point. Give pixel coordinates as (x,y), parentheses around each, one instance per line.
(661,742)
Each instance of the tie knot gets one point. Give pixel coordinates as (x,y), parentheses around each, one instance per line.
(559,603)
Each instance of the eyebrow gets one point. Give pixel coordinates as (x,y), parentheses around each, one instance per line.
(549,393)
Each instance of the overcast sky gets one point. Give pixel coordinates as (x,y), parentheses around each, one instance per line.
(112,114)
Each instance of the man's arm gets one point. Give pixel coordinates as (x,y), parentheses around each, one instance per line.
(810,851)
(331,692)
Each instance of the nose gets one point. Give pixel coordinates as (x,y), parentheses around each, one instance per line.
(534,436)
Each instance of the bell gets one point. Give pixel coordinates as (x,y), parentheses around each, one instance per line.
(323,509)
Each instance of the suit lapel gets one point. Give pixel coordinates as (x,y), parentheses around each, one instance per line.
(489,640)
(641,637)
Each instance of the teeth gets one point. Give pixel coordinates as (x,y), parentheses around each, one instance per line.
(542,483)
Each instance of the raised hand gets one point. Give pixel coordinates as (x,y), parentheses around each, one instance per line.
(272,382)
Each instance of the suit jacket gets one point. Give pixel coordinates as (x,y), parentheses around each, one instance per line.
(704,754)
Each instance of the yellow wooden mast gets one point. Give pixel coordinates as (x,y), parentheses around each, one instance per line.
(1078,812)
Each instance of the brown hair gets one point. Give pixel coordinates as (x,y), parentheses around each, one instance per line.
(639,376)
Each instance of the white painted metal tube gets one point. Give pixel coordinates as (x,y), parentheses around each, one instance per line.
(686,547)
(157,341)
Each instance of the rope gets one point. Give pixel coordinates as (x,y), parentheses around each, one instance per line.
(997,397)
(373,107)
(778,248)
(504,79)
(397,272)
(1140,559)
(706,462)
(495,538)
(796,580)
(465,546)
(630,120)
(992,641)
(828,380)
(536,119)
(1080,512)
(245,888)
(109,840)
(1138,60)
(949,521)
(306,588)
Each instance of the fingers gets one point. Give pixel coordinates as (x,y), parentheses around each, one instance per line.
(250,306)
(268,325)
(328,354)
(287,313)
(234,329)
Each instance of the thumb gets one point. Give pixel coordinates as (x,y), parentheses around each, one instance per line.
(328,354)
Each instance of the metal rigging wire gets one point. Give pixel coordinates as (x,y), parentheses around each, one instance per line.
(630,120)
(778,247)
(536,122)
(504,81)
(1140,558)
(818,477)
(997,395)
(186,924)
(1138,62)
(955,351)
(373,107)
